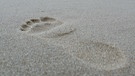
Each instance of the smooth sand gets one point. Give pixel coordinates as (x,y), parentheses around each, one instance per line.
(67,38)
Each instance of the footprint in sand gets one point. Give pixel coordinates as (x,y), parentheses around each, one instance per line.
(99,55)
(46,27)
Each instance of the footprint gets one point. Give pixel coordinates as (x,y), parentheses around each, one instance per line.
(45,27)
(38,25)
(99,55)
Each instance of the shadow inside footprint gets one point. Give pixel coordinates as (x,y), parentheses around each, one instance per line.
(29,22)
(47,19)
(35,20)
(24,27)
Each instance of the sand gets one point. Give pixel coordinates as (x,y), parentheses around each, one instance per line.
(67,38)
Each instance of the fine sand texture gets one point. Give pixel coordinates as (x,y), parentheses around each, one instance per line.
(67,38)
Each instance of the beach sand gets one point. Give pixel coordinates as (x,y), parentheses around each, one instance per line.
(67,38)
